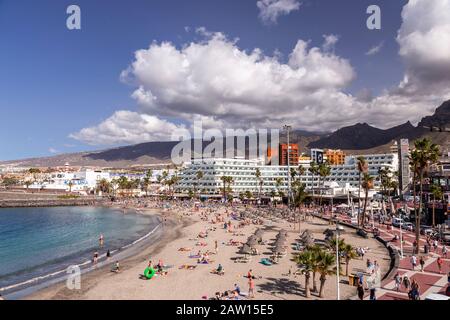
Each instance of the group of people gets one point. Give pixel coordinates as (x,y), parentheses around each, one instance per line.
(412,287)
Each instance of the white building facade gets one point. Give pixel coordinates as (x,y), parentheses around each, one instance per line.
(275,178)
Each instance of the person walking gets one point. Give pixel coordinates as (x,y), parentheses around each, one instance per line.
(373,294)
(439,263)
(444,251)
(406,283)
(422,263)
(251,288)
(398,281)
(360,291)
(413,261)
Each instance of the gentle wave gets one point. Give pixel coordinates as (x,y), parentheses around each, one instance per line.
(56,273)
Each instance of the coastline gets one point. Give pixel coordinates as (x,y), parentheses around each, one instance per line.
(30,286)
(133,254)
(183,226)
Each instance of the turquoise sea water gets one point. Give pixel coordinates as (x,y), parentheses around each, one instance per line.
(38,241)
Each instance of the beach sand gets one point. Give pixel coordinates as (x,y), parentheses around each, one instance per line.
(179,231)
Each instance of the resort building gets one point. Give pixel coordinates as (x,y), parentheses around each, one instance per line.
(274,178)
(335,157)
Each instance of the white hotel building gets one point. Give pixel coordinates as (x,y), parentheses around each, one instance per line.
(243,173)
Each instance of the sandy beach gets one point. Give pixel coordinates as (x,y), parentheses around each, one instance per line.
(181,230)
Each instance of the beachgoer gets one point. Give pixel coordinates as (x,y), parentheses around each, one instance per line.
(237,288)
(95,257)
(413,261)
(406,282)
(251,287)
(398,281)
(360,291)
(108,254)
(101,240)
(444,251)
(439,263)
(372,294)
(422,263)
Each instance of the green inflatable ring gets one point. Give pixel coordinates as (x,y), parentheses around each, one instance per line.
(149,272)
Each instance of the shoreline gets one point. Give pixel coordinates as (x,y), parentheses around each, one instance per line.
(274,282)
(134,254)
(30,286)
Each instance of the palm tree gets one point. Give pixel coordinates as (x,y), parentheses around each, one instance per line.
(313,169)
(305,262)
(300,196)
(362,168)
(104,186)
(27,183)
(349,253)
(326,266)
(315,249)
(425,154)
(436,191)
(123,183)
(198,176)
(324,171)
(70,184)
(278,183)
(367,184)
(226,180)
(331,243)
(260,183)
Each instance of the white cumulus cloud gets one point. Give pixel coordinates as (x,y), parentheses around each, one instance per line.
(225,86)
(271,10)
(127,127)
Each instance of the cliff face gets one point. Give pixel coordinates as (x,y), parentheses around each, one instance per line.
(440,120)
(363,136)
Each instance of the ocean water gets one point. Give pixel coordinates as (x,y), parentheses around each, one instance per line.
(38,241)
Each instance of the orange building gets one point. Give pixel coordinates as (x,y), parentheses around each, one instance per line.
(335,157)
(293,154)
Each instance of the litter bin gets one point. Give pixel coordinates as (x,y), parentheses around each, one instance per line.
(353,280)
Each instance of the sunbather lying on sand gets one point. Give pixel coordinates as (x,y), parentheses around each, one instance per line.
(185,249)
(187,267)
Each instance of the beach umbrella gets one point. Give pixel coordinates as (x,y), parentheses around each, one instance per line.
(246,249)
(251,242)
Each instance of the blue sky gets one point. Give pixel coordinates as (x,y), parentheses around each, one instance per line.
(54,82)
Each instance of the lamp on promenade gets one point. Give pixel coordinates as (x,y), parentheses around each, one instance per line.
(337,261)
(288,129)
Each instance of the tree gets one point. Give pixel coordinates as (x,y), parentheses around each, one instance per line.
(227,181)
(315,249)
(331,243)
(146,181)
(436,191)
(305,262)
(278,183)
(104,186)
(9,182)
(367,184)
(70,184)
(300,196)
(260,183)
(349,253)
(326,266)
(425,154)
(313,169)
(27,183)
(324,171)
(198,176)
(362,168)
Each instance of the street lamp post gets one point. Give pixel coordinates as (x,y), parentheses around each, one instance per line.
(401,239)
(337,261)
(288,129)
